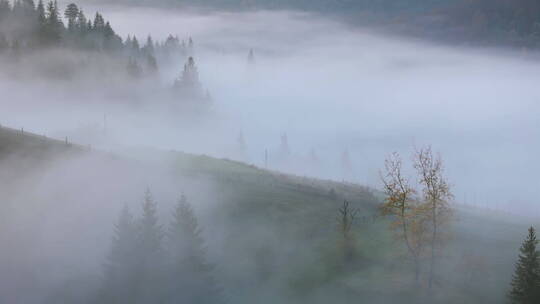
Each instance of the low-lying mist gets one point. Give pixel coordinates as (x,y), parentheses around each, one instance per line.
(333,90)
(286,91)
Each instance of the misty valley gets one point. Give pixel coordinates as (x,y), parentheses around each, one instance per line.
(269,152)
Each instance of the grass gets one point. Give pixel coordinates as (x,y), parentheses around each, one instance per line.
(284,227)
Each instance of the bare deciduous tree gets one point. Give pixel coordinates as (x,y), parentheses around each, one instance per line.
(401,203)
(346,217)
(436,196)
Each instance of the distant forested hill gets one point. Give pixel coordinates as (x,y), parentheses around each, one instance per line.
(496,22)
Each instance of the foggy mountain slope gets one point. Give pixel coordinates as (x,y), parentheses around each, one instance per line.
(269,233)
(72,194)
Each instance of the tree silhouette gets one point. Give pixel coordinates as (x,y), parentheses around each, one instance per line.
(150,271)
(122,262)
(191,273)
(526,279)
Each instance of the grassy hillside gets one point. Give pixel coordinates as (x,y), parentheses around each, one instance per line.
(274,237)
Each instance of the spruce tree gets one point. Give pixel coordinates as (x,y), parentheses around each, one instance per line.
(122,262)
(192,280)
(151,253)
(526,279)
(71,13)
(148,48)
(81,22)
(53,25)
(41,14)
(99,23)
(135,47)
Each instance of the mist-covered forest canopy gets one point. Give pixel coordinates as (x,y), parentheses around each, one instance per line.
(268,152)
(64,44)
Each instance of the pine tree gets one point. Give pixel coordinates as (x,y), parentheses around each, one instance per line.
(111,41)
(81,22)
(526,280)
(149,46)
(151,253)
(53,25)
(122,262)
(127,43)
(41,14)
(135,46)
(151,231)
(108,31)
(71,13)
(99,23)
(191,273)
(190,75)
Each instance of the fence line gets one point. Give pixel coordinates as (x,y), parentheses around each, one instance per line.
(44,137)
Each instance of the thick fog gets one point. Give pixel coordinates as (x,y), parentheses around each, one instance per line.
(333,90)
(317,98)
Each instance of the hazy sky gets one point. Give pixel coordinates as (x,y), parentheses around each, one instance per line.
(331,89)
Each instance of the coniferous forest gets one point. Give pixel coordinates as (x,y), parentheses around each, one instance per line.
(269,152)
(33,31)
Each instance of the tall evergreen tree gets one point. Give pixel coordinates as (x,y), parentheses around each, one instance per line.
(71,13)
(122,262)
(150,250)
(108,32)
(148,48)
(135,47)
(99,23)
(53,24)
(192,274)
(526,280)
(81,22)
(40,10)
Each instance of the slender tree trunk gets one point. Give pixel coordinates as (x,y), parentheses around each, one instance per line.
(410,249)
(433,239)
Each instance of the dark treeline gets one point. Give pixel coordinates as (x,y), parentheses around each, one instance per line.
(26,27)
(148,264)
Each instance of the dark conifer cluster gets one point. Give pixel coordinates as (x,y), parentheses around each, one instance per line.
(526,280)
(26,27)
(148,264)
